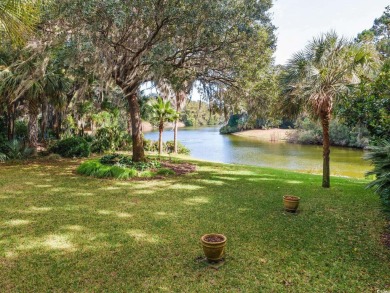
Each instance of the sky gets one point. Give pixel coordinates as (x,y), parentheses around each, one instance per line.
(298,21)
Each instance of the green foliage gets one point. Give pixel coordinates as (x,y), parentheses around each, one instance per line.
(21,129)
(18,18)
(168,147)
(13,150)
(309,132)
(236,123)
(96,169)
(110,139)
(199,114)
(380,158)
(120,167)
(368,105)
(150,145)
(69,126)
(324,71)
(126,161)
(71,147)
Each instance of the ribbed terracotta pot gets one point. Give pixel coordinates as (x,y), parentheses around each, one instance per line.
(214,250)
(291,203)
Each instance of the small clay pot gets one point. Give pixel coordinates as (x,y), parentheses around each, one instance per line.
(213,246)
(291,203)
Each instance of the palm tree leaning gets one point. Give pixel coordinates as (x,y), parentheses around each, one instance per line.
(162,112)
(317,76)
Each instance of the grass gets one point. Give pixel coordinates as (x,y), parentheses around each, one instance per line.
(61,232)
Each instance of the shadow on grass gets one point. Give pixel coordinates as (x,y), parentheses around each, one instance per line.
(88,234)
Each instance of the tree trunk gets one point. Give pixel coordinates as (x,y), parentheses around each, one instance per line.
(160,132)
(11,121)
(33,129)
(58,124)
(175,150)
(136,128)
(44,120)
(325,119)
(129,131)
(225,113)
(176,126)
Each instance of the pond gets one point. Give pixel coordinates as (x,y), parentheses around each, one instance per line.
(207,144)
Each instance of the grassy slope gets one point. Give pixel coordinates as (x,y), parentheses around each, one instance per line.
(63,232)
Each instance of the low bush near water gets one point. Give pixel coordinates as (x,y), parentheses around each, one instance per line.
(168,147)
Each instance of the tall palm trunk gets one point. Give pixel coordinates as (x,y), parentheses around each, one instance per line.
(33,130)
(58,124)
(325,119)
(136,128)
(45,108)
(11,121)
(176,126)
(160,132)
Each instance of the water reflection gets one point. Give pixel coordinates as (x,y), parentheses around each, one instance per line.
(206,143)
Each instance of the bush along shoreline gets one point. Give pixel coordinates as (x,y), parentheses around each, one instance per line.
(310,133)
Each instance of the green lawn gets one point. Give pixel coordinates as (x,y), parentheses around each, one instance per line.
(64,232)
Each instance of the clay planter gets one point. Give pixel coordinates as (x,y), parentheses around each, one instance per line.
(213,246)
(291,203)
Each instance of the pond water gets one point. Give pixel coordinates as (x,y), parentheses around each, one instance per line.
(207,144)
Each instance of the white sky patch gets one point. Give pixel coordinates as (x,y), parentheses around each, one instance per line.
(299,21)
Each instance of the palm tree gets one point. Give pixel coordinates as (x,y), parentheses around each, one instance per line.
(18,17)
(36,81)
(162,112)
(321,73)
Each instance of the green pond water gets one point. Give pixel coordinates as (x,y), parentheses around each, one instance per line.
(207,144)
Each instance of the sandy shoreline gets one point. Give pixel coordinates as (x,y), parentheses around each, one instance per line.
(274,134)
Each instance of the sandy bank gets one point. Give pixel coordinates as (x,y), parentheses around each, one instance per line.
(274,134)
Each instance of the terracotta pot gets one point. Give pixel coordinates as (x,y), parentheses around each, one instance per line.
(214,250)
(291,203)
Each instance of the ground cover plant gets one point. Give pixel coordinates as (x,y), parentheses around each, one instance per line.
(64,232)
(120,166)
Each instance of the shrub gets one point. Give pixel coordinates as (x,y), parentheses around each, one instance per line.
(126,161)
(150,145)
(168,147)
(309,132)
(13,150)
(21,130)
(97,169)
(110,139)
(89,167)
(71,147)
(181,149)
(380,158)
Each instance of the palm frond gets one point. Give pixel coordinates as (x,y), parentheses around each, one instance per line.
(18,18)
